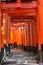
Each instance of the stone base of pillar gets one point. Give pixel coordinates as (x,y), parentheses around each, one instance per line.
(35,50)
(42,46)
(9,48)
(1,54)
(28,48)
(39,56)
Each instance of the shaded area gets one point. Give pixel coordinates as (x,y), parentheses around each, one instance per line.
(20,57)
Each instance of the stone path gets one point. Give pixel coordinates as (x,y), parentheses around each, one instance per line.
(19,57)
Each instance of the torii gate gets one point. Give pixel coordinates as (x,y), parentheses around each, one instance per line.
(8,8)
(39,19)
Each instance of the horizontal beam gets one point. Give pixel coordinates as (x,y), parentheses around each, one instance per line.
(12,5)
(21,21)
(20,11)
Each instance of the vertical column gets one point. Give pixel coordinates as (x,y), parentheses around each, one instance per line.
(18,3)
(40,26)
(40,23)
(22,35)
(25,35)
(3,28)
(35,33)
(24,38)
(31,33)
(5,24)
(34,36)
(0,30)
(8,28)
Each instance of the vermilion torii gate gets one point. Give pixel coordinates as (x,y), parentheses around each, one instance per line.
(8,7)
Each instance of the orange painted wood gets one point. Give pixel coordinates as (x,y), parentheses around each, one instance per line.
(34,33)
(2,37)
(27,35)
(40,23)
(0,30)
(18,4)
(18,36)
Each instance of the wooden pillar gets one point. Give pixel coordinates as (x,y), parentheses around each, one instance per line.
(22,35)
(8,28)
(0,31)
(27,35)
(34,34)
(6,24)
(18,3)
(40,23)
(31,34)
(40,26)
(3,28)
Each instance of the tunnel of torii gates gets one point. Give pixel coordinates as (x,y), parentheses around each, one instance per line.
(21,23)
